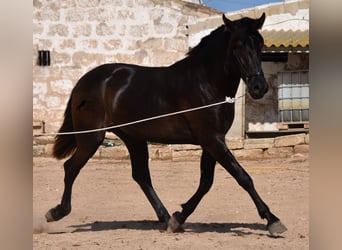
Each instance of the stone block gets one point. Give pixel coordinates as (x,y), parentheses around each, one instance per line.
(125,14)
(248,154)
(89,43)
(307,139)
(163,58)
(141,57)
(38,150)
(58,30)
(111,136)
(139,31)
(114,2)
(289,140)
(88,3)
(48,150)
(53,102)
(186,155)
(150,43)
(280,152)
(67,44)
(263,143)
(184,147)
(74,15)
(37,28)
(43,140)
(82,59)
(60,58)
(177,43)
(81,30)
(47,14)
(113,44)
(118,153)
(104,29)
(234,143)
(164,28)
(301,149)
(63,86)
(128,3)
(149,3)
(101,14)
(160,152)
(186,152)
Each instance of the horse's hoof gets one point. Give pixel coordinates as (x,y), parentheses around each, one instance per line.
(57,213)
(174,226)
(276,228)
(49,217)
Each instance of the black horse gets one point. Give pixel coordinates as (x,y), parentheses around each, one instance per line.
(116,93)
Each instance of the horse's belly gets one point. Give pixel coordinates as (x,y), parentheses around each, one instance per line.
(162,130)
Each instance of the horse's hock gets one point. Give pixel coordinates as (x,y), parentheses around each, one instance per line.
(243,149)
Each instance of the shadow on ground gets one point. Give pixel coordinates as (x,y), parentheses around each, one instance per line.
(239,229)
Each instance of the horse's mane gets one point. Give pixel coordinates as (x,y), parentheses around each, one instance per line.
(215,42)
(210,43)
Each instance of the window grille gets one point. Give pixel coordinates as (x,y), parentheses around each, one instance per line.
(293,96)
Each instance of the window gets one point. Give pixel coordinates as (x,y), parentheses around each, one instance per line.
(293,96)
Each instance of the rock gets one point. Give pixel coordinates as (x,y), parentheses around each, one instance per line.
(301,149)
(289,140)
(259,143)
(280,152)
(248,154)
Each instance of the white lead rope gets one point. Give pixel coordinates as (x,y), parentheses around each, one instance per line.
(227,100)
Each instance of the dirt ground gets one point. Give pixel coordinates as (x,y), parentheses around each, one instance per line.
(111,212)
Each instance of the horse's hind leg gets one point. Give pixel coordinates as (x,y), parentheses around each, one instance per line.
(206,181)
(140,172)
(87,145)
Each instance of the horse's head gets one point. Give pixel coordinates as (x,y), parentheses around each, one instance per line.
(245,47)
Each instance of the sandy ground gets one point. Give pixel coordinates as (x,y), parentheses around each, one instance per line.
(111,212)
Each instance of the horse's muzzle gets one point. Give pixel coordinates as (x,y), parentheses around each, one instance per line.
(257,86)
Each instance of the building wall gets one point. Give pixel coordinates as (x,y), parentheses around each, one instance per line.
(81,34)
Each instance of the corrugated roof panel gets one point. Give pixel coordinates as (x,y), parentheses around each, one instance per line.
(286,38)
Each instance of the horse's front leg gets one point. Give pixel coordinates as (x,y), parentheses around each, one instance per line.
(222,154)
(206,181)
(219,151)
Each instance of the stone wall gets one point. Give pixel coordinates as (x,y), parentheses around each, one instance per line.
(81,34)
(248,149)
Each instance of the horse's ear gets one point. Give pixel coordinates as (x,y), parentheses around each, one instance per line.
(260,21)
(229,26)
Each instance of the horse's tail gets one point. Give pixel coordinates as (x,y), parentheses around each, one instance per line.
(65,145)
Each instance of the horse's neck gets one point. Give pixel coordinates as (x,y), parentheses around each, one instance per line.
(223,81)
(232,79)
